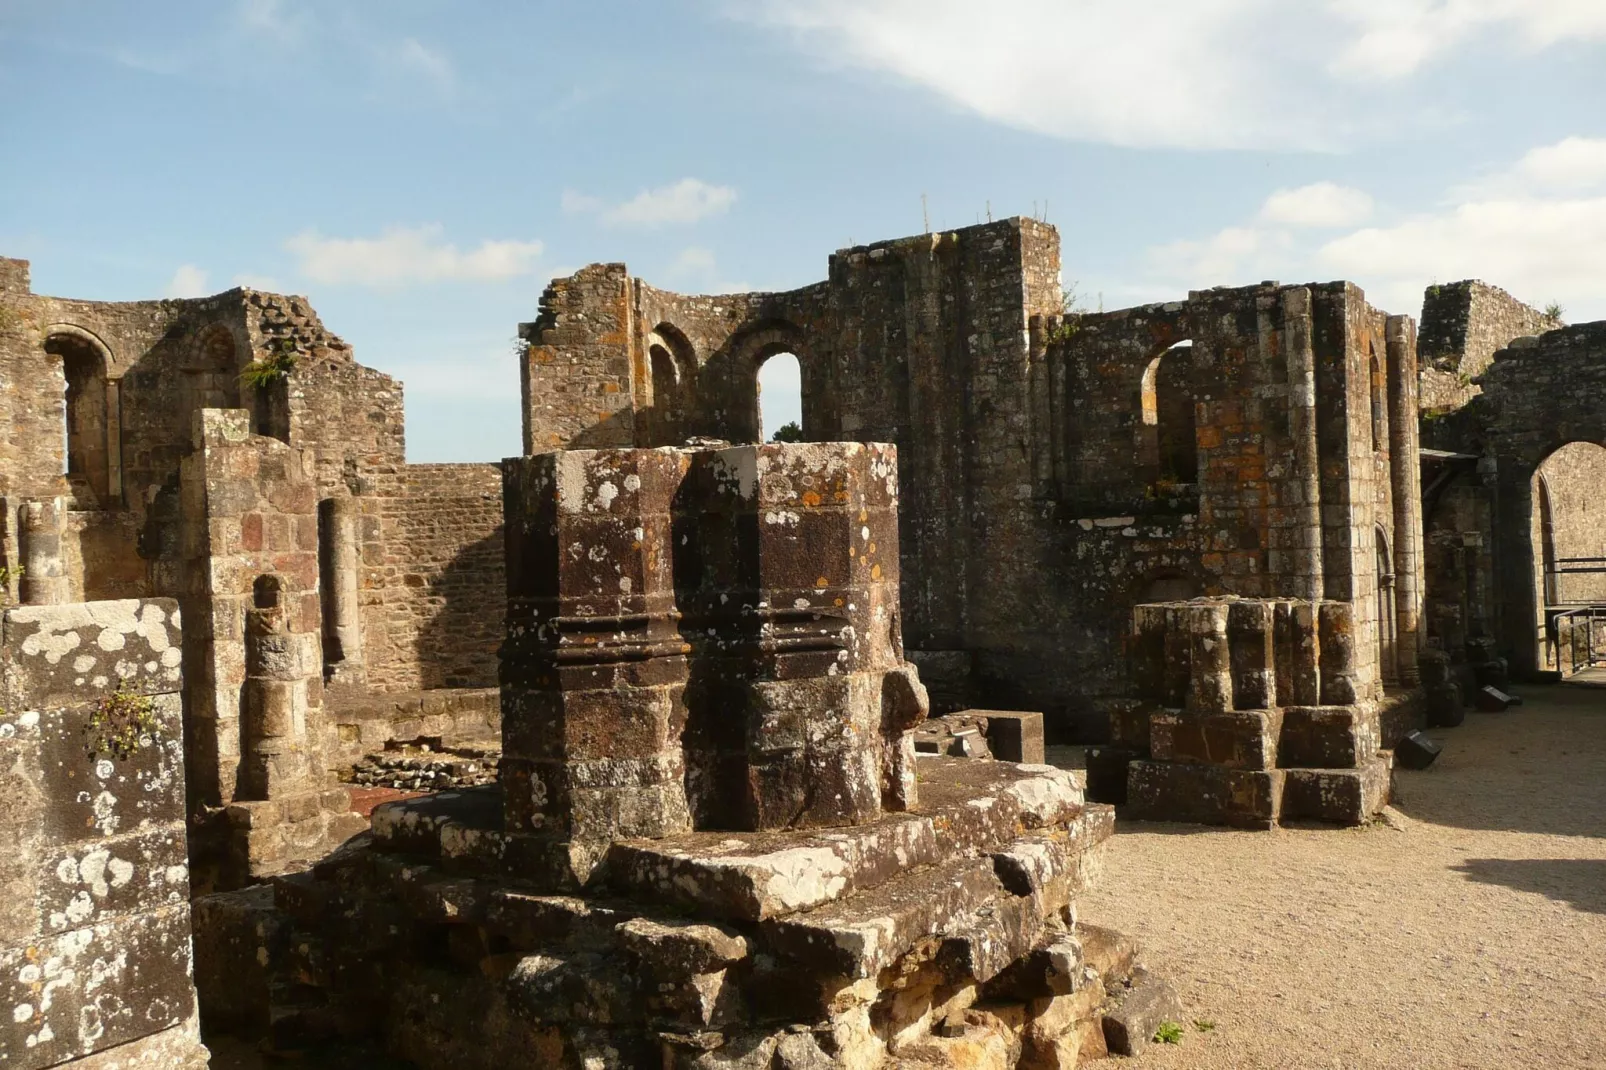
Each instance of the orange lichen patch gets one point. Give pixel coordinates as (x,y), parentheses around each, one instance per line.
(838,602)
(875,572)
(811,498)
(852,552)
(864,514)
(543,354)
(610,388)
(870,549)
(822,582)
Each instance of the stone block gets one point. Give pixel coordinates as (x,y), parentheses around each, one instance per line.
(1013,736)
(1107,772)
(1337,796)
(1137,1013)
(1245,739)
(65,655)
(1207,794)
(1327,737)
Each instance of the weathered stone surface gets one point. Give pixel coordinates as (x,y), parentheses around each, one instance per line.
(1137,1012)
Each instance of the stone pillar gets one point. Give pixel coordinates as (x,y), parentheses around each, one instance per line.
(274,720)
(794,614)
(114,442)
(1406,477)
(594,668)
(1304,487)
(1298,654)
(1251,628)
(44,576)
(342,621)
(1210,684)
(1339,661)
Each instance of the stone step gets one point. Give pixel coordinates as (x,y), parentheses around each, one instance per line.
(967,807)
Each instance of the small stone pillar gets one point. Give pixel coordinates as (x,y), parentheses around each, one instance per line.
(44,576)
(342,620)
(274,717)
(1339,667)
(1299,681)
(1210,685)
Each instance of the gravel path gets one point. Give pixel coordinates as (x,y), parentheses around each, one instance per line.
(1474,936)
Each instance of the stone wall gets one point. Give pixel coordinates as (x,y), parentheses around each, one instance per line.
(94,879)
(432,586)
(1054,474)
(1463,325)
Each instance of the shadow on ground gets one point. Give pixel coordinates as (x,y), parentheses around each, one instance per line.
(1578,881)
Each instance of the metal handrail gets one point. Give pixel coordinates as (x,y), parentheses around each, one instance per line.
(1592,620)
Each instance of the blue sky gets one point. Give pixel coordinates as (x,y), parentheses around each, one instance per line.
(420,168)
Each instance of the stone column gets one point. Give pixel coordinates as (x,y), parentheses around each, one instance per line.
(1210,683)
(342,620)
(593,668)
(796,550)
(1304,488)
(1405,470)
(1339,658)
(274,719)
(44,576)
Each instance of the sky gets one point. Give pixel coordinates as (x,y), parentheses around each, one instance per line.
(421,168)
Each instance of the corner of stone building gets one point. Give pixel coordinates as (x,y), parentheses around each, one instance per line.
(14,278)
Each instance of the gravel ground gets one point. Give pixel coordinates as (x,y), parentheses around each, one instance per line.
(1473,935)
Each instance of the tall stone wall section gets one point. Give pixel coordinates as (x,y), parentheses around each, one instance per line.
(432,584)
(94,880)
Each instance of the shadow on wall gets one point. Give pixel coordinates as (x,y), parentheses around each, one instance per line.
(1578,881)
(466,605)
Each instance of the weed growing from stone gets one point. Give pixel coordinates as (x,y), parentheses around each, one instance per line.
(273,368)
(119,724)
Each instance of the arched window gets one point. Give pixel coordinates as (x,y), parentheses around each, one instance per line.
(1380,417)
(780,398)
(673,365)
(1167,423)
(86,425)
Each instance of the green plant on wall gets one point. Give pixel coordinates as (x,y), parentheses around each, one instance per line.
(118,725)
(9,575)
(1554,313)
(271,369)
(1072,311)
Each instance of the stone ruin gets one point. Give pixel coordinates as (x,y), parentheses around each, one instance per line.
(713,844)
(1241,542)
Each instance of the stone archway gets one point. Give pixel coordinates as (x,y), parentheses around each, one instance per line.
(1540,395)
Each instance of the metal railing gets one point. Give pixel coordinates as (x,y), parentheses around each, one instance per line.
(1579,637)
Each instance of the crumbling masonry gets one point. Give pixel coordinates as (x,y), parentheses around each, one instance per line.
(1202,534)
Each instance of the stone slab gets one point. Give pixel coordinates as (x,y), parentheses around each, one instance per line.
(965,807)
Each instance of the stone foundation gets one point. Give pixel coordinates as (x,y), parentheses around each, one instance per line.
(1249,712)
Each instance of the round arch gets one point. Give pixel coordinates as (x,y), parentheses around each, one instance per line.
(751,350)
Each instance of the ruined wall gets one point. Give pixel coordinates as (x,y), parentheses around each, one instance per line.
(432,585)
(1053,473)
(1463,325)
(95,914)
(1540,394)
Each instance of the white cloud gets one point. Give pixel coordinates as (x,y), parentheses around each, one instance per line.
(1397,37)
(697,268)
(694,260)
(187,281)
(1537,228)
(403,255)
(686,201)
(1178,73)
(413,58)
(1322,204)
